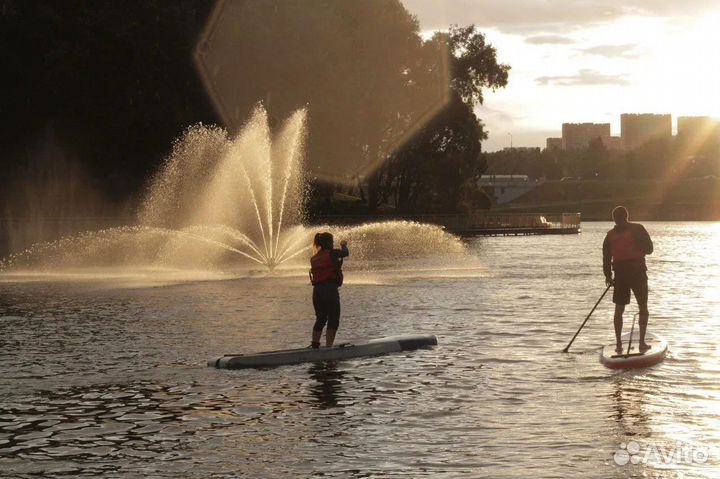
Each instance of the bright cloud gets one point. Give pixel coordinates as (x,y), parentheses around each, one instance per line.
(549,39)
(585,76)
(610,51)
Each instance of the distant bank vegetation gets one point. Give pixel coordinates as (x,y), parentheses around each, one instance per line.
(683,199)
(664,179)
(672,158)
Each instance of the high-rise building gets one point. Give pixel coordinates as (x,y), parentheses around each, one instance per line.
(554,143)
(698,129)
(612,142)
(577,136)
(636,129)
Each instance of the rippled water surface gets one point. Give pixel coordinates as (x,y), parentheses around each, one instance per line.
(103,373)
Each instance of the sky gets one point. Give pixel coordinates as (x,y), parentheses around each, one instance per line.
(589,60)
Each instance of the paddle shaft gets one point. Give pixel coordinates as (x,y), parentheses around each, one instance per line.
(632,328)
(586,319)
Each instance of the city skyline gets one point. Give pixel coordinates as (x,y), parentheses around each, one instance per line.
(635,129)
(582,63)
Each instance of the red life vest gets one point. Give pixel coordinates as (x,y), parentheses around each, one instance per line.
(623,245)
(323,269)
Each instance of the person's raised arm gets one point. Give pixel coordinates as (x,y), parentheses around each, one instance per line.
(343,251)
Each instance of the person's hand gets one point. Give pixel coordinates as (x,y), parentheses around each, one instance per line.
(343,243)
(609,281)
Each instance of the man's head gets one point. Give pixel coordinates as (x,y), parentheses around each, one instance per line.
(620,215)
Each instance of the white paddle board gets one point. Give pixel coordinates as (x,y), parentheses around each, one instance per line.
(371,347)
(635,359)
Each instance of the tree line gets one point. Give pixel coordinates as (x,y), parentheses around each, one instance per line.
(662,158)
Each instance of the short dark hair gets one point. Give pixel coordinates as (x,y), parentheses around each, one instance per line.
(323,240)
(620,214)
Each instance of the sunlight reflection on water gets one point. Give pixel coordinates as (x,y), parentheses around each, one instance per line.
(101,375)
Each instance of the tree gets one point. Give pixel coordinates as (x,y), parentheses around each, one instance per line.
(593,159)
(438,168)
(369,81)
(346,62)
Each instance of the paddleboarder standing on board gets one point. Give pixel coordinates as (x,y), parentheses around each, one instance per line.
(624,251)
(326,277)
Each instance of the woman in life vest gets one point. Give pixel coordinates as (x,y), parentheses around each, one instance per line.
(624,251)
(326,277)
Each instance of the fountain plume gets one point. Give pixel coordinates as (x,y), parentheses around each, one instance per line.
(246,183)
(220,200)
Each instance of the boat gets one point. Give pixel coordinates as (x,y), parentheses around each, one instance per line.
(347,350)
(634,359)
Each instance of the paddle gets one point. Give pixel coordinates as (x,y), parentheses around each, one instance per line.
(632,328)
(586,319)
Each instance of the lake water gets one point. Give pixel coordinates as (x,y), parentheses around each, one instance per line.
(102,373)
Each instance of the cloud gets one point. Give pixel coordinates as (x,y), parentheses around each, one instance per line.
(535,16)
(515,16)
(499,118)
(612,51)
(585,77)
(549,39)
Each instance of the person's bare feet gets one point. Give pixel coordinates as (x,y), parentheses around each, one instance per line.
(644,347)
(619,348)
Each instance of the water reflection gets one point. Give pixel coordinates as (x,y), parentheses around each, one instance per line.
(328,384)
(628,402)
(59,430)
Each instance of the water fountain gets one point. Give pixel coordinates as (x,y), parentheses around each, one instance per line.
(219,202)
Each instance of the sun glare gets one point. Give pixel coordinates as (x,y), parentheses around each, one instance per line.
(668,66)
(691,56)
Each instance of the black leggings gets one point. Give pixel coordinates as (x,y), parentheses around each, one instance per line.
(326,301)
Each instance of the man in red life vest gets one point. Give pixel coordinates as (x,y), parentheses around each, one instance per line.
(624,251)
(326,277)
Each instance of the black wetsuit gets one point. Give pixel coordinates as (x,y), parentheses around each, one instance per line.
(326,297)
